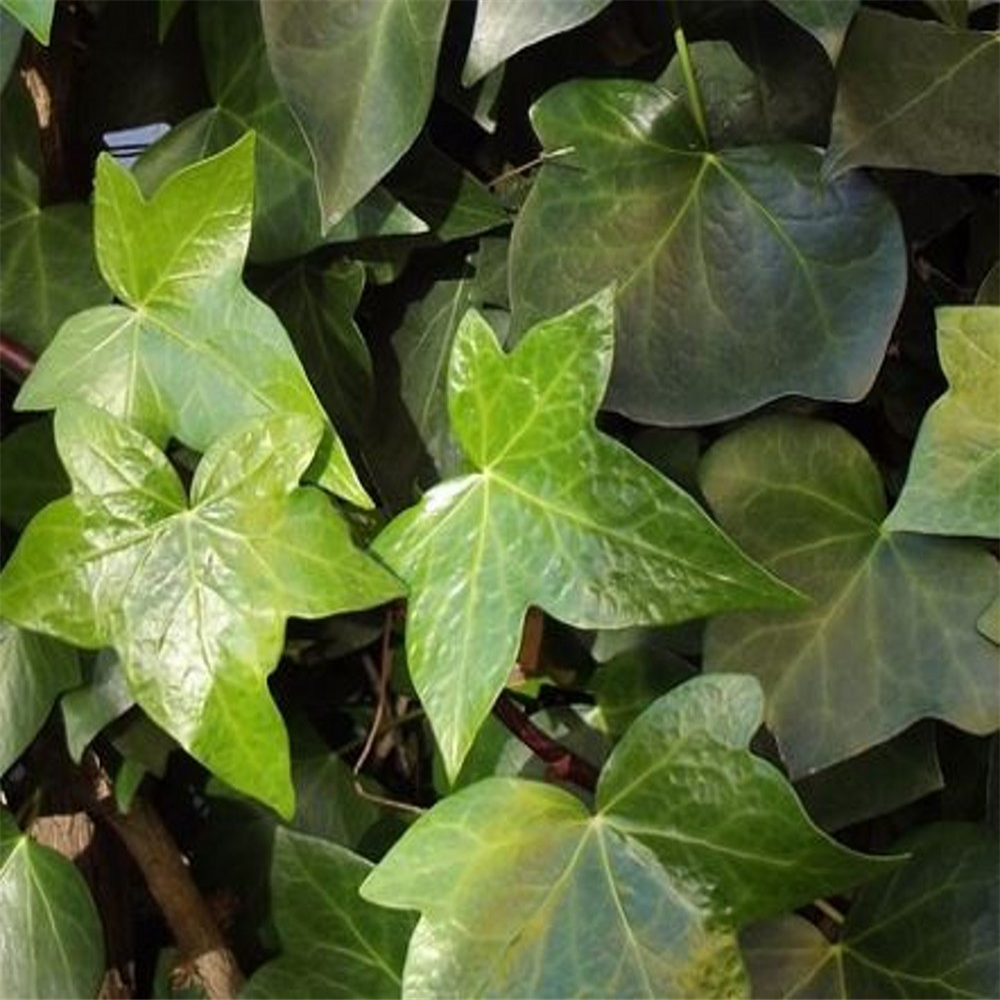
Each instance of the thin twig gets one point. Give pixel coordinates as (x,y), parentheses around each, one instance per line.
(564,765)
(15,358)
(543,157)
(385,671)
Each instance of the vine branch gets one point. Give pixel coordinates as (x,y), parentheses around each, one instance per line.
(564,765)
(690,81)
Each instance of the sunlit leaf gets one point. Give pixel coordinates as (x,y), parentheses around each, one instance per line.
(891,637)
(35,15)
(191,353)
(383,55)
(192,595)
(934,105)
(638,899)
(741,276)
(952,484)
(51,941)
(333,943)
(604,540)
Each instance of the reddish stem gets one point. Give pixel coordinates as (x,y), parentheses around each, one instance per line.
(15,358)
(564,765)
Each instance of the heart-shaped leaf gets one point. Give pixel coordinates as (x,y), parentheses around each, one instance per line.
(826,22)
(951,486)
(935,105)
(891,637)
(692,837)
(34,671)
(741,276)
(929,929)
(193,596)
(333,943)
(383,55)
(604,540)
(192,353)
(52,940)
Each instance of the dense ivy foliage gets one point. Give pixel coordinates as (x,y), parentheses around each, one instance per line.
(499,498)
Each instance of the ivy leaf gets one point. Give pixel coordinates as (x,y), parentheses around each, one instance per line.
(192,596)
(34,671)
(637,900)
(35,15)
(334,944)
(502,29)
(930,929)
(192,353)
(30,472)
(53,943)
(934,106)
(604,540)
(89,708)
(11,34)
(951,486)
(47,265)
(989,622)
(826,22)
(741,276)
(286,218)
(384,55)
(891,637)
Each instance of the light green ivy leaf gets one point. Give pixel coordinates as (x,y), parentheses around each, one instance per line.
(191,353)
(935,105)
(891,637)
(603,540)
(51,939)
(333,943)
(35,15)
(741,276)
(953,483)
(929,929)
(692,837)
(192,595)
(383,56)
(34,671)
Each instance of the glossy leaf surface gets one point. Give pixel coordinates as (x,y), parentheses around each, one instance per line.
(741,277)
(635,900)
(935,105)
(928,930)
(503,28)
(334,944)
(952,484)
(383,55)
(51,942)
(34,671)
(604,540)
(891,637)
(193,596)
(191,353)
(826,22)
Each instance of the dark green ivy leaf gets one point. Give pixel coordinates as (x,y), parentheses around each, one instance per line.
(826,21)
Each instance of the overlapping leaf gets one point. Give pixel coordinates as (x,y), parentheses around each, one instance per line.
(47,265)
(286,217)
(928,930)
(953,483)
(934,105)
(334,944)
(552,514)
(741,276)
(34,671)
(826,22)
(30,472)
(692,838)
(191,353)
(193,596)
(35,15)
(383,56)
(891,637)
(51,941)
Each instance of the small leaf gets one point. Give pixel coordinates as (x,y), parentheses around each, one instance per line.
(194,596)
(633,901)
(917,95)
(604,541)
(94,705)
(891,636)
(35,15)
(951,486)
(53,943)
(826,22)
(383,53)
(503,28)
(333,943)
(30,472)
(34,671)
(741,277)
(192,353)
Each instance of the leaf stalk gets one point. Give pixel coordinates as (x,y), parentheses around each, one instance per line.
(690,81)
